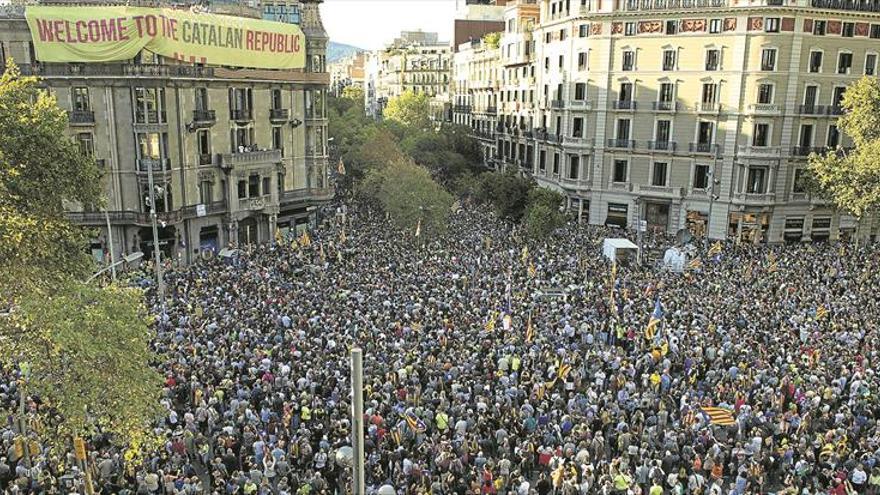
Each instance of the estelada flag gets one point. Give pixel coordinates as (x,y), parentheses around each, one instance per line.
(530,331)
(719,416)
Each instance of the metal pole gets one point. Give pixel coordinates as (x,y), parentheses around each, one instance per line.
(711,199)
(22,428)
(157,255)
(110,245)
(639,228)
(357,420)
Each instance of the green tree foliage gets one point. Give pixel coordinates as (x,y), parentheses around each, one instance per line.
(377,147)
(543,214)
(492,40)
(354,94)
(410,109)
(506,192)
(86,349)
(851,181)
(408,194)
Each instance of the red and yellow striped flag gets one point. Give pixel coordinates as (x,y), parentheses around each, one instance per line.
(719,416)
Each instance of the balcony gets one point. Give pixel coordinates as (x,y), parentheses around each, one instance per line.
(808,150)
(241,114)
(665,106)
(233,160)
(635,5)
(708,107)
(557,104)
(313,116)
(279,115)
(624,104)
(254,204)
(755,198)
(581,104)
(759,151)
(765,109)
(204,118)
(461,108)
(81,117)
(143,218)
(703,148)
(150,117)
(852,5)
(663,146)
(315,151)
(206,159)
(835,110)
(661,191)
(622,143)
(813,110)
(492,110)
(154,164)
(579,142)
(314,193)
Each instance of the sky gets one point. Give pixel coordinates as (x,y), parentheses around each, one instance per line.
(370,24)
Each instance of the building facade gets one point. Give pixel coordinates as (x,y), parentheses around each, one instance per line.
(694,114)
(347,72)
(475,92)
(234,153)
(417,62)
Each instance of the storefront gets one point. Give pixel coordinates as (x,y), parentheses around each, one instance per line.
(749,227)
(617,215)
(657,215)
(209,239)
(794,230)
(167,241)
(821,229)
(697,223)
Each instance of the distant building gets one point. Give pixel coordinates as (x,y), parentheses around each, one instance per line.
(347,72)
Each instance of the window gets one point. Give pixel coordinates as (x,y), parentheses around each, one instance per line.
(580,91)
(253,188)
(875,31)
(149,105)
(619,171)
(629,60)
(267,186)
(668,59)
(542,161)
(833,136)
(81,99)
(837,96)
(241,101)
(819,28)
(771,25)
(547,37)
(86,143)
(574,165)
(701,177)
(815,61)
(561,61)
(710,93)
(756,180)
(582,61)
(205,192)
(799,185)
(278,138)
(629,29)
(623,129)
(577,127)
(671,27)
(242,189)
(562,35)
(806,137)
(201,96)
(870,64)
(765,94)
(844,63)
(658,175)
(768,59)
(810,96)
(713,57)
(761,135)
(664,128)
(203,141)
(849,29)
(705,131)
(583,30)
(626,92)
(150,145)
(666,93)
(714,25)
(276,99)
(555,163)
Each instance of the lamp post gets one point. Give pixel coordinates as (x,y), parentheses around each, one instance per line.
(357,420)
(131,258)
(160,283)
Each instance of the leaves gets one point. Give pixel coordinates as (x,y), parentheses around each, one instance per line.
(410,109)
(507,192)
(543,214)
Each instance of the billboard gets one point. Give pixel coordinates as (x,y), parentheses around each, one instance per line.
(114,33)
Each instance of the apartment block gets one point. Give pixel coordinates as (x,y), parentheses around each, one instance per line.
(695,114)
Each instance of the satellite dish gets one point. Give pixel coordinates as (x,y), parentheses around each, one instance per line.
(683,236)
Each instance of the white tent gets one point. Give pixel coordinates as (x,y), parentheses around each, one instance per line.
(674,260)
(618,249)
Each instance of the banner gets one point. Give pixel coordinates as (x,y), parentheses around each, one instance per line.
(112,33)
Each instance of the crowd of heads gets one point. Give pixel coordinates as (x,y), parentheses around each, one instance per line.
(498,364)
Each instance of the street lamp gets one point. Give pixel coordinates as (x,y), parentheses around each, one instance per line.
(131,258)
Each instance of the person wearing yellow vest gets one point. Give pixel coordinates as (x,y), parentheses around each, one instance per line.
(305,413)
(442,420)
(622,481)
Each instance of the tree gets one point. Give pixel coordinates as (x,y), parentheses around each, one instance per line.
(375,149)
(410,109)
(354,93)
(410,196)
(851,180)
(492,40)
(86,350)
(543,214)
(507,192)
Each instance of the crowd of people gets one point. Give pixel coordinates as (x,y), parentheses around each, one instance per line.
(498,365)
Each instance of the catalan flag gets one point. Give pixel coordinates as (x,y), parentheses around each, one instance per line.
(304,239)
(695,264)
(821,312)
(654,321)
(715,249)
(530,331)
(396,436)
(531,270)
(562,371)
(611,298)
(773,267)
(718,416)
(414,423)
(490,325)
(278,237)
